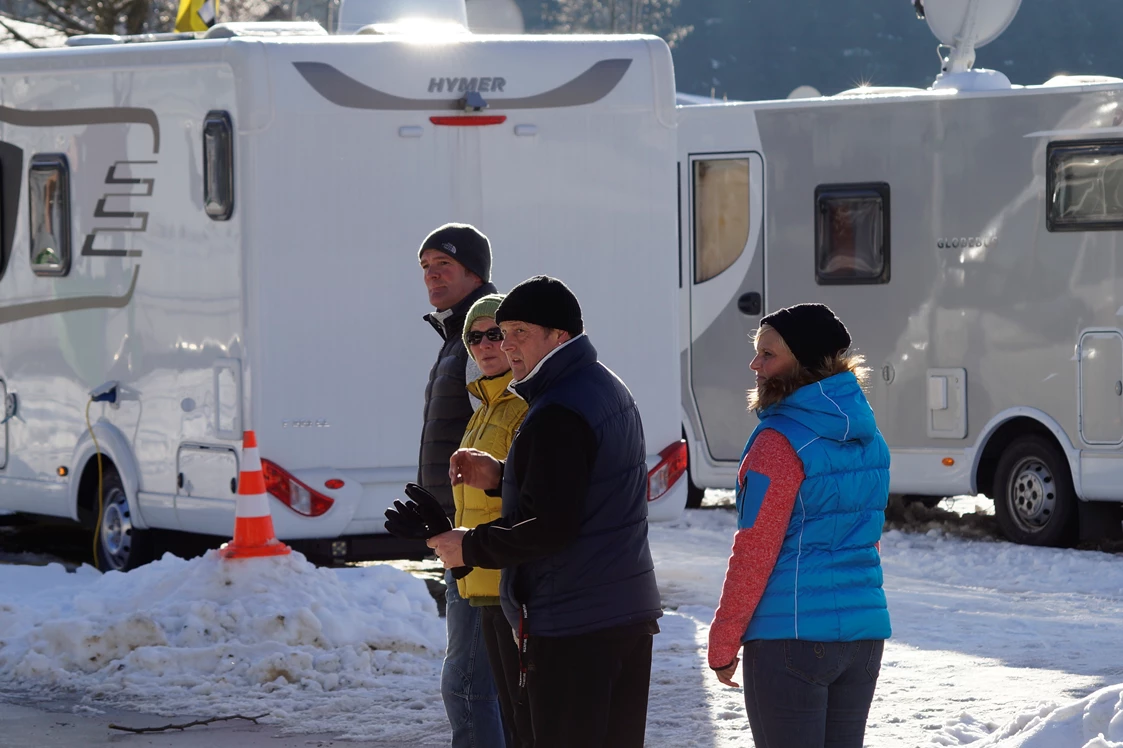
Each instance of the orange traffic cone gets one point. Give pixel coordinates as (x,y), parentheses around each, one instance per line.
(253,525)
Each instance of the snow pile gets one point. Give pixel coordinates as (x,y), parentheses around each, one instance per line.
(1095,721)
(206,635)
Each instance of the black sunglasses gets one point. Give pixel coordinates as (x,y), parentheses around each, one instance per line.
(475,337)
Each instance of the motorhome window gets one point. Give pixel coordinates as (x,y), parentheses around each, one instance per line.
(852,234)
(48,190)
(1085,186)
(218,165)
(721,215)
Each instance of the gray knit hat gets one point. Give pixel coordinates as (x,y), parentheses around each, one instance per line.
(485,306)
(464,243)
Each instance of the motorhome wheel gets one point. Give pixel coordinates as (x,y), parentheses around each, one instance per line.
(120,546)
(1035,502)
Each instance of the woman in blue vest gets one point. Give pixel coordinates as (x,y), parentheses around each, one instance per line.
(803,589)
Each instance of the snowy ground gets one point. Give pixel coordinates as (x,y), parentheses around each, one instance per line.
(994,644)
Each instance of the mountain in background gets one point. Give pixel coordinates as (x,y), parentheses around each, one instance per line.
(763,49)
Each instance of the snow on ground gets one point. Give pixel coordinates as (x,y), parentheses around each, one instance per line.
(308,646)
(983,632)
(993,645)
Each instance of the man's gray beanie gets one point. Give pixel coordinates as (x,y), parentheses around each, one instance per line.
(464,243)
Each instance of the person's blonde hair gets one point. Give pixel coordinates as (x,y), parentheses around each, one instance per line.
(774,389)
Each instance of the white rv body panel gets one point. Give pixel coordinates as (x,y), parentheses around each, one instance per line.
(300,316)
(992,324)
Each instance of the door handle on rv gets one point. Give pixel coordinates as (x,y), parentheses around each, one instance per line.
(749,303)
(11,407)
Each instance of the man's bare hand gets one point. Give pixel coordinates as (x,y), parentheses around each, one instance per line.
(474,468)
(449,547)
(726,675)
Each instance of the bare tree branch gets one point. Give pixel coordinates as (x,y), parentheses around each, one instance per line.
(185,725)
(17,35)
(46,23)
(73,24)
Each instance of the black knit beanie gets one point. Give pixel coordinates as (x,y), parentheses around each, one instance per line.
(463,243)
(811,331)
(544,301)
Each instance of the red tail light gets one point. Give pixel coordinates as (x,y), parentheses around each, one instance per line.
(671,467)
(469,120)
(292,493)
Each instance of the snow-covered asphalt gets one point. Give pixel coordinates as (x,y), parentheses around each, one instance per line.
(993,644)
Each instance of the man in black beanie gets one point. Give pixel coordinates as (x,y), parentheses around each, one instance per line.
(456,264)
(578,583)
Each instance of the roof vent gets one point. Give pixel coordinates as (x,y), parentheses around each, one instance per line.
(95,40)
(1080,80)
(876,91)
(265,28)
(415,27)
(400,16)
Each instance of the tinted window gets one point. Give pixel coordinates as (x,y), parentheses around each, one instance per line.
(721,214)
(852,233)
(218,165)
(1084,186)
(48,192)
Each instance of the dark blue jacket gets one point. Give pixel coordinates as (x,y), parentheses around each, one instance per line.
(605,577)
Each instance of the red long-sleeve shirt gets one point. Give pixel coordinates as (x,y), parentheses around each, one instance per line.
(773,473)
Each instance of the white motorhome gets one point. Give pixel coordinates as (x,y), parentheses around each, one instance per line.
(969,235)
(206,235)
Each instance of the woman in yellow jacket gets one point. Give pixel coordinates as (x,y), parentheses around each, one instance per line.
(491,429)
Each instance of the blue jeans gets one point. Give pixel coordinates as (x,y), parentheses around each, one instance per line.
(803,694)
(468,690)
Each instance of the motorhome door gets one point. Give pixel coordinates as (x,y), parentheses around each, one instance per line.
(724,194)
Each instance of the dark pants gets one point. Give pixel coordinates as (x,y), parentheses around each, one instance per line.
(803,694)
(589,690)
(503,654)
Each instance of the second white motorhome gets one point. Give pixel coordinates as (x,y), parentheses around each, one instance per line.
(969,235)
(206,235)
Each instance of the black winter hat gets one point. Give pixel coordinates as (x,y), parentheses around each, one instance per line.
(464,243)
(544,301)
(811,331)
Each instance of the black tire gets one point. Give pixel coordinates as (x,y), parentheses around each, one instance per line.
(120,546)
(1034,501)
(694,494)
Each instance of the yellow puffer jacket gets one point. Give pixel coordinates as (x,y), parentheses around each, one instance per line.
(491,430)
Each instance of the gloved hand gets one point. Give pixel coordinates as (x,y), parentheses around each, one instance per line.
(420,518)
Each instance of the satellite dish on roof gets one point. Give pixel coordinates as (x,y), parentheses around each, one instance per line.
(962,26)
(979,22)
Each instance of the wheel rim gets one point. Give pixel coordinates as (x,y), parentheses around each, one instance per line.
(115,533)
(1031,494)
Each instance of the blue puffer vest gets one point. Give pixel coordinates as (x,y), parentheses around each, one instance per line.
(826,585)
(606,578)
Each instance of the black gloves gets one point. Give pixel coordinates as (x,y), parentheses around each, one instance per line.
(420,518)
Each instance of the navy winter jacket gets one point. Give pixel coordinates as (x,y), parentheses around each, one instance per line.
(605,577)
